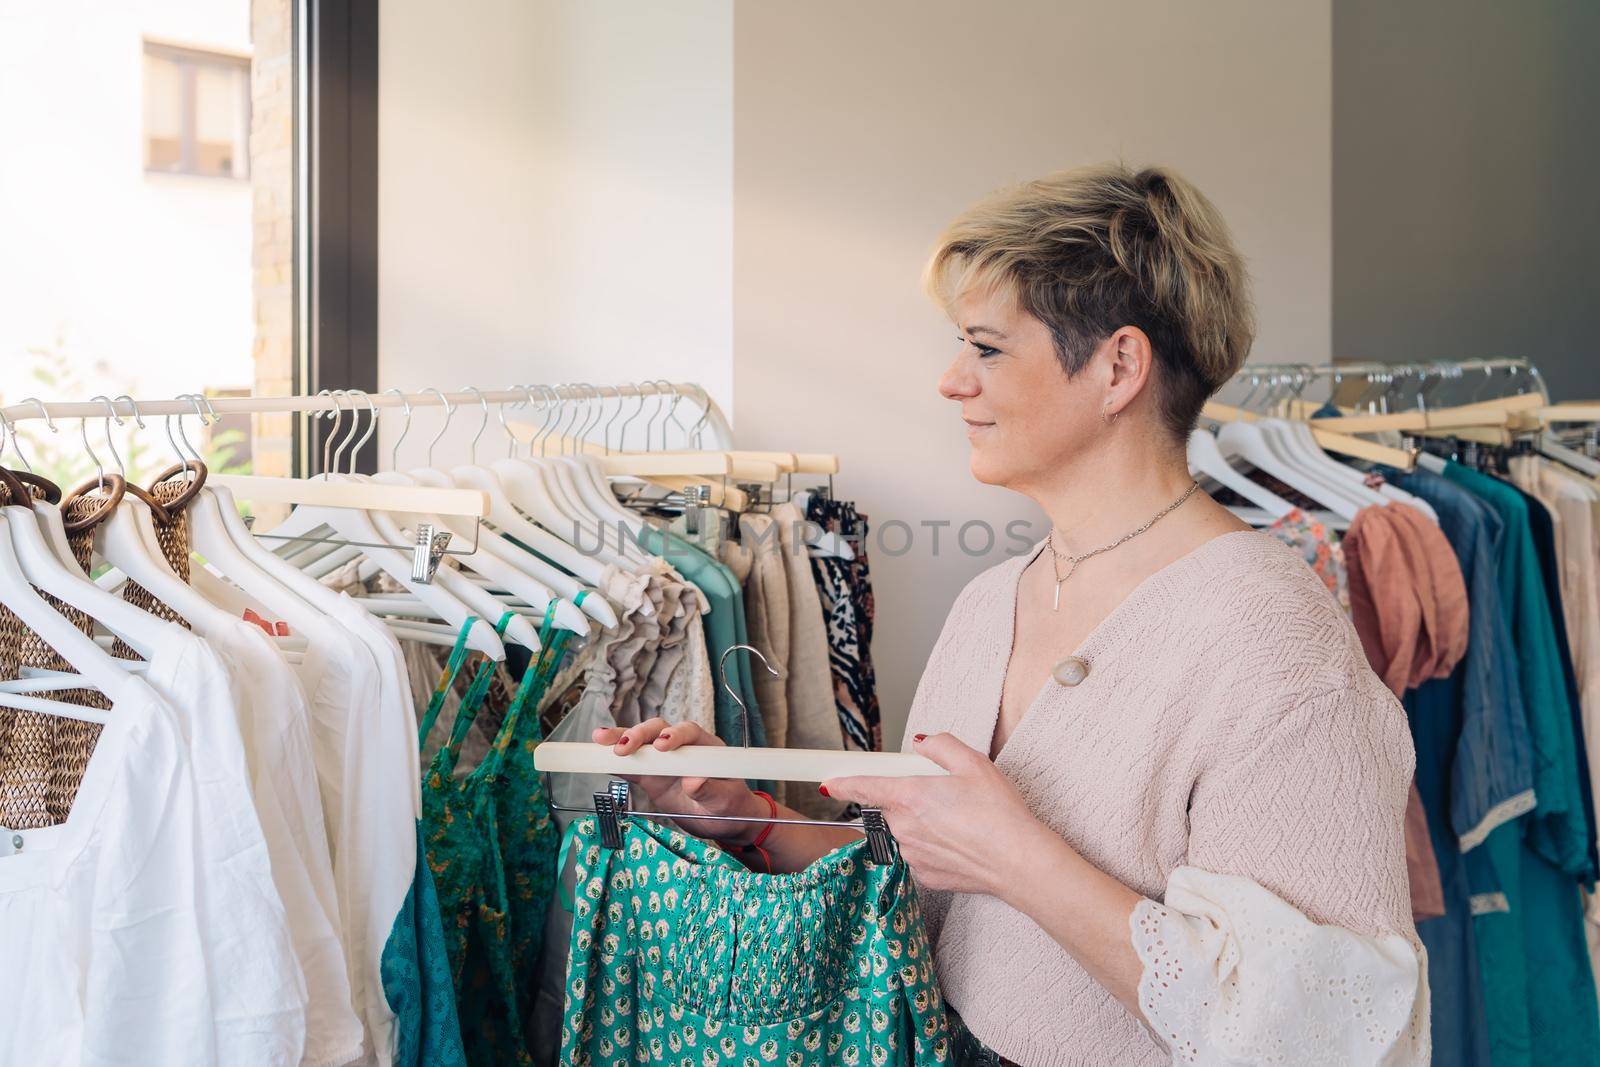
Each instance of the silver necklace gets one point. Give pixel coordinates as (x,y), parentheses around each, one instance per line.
(1073,561)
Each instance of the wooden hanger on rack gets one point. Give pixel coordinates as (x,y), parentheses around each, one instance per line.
(1342,443)
(613,807)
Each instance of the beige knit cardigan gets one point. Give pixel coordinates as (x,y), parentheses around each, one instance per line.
(1228,724)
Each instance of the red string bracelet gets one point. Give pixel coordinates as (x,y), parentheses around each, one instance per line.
(766,831)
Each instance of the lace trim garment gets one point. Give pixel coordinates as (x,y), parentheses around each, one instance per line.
(1233,974)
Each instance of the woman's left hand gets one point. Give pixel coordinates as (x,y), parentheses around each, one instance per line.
(960,831)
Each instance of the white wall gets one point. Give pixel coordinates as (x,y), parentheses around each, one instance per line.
(745,198)
(555,197)
(149,273)
(861,129)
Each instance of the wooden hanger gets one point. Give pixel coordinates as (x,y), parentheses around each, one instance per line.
(1342,443)
(367,496)
(1572,411)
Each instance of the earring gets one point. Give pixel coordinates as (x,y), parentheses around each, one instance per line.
(1108,416)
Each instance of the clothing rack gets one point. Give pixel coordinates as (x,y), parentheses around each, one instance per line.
(1375,371)
(712,417)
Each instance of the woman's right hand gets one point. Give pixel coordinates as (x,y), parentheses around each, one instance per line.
(689,796)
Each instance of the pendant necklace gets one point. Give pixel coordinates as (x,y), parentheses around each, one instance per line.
(1073,561)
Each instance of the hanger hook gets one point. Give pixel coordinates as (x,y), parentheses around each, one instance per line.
(563,410)
(472,449)
(133,406)
(83,432)
(344,442)
(183,457)
(655,411)
(7,433)
(599,405)
(449,412)
(605,435)
(372,427)
(722,672)
(500,413)
(394,453)
(111,443)
(622,431)
(337,415)
(204,413)
(49,424)
(526,402)
(8,430)
(696,431)
(672,417)
(547,409)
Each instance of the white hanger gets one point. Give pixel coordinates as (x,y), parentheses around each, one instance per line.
(446,579)
(1247,441)
(586,517)
(1317,459)
(358,527)
(1295,444)
(510,522)
(44,569)
(98,667)
(218,534)
(1205,458)
(533,489)
(127,539)
(497,560)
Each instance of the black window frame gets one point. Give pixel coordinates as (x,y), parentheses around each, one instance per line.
(336,212)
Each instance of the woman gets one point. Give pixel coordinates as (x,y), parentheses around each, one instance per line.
(1172,824)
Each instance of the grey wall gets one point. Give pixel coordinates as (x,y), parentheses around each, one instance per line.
(1466,164)
(861,129)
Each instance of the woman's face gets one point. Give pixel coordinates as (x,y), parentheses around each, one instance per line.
(1028,423)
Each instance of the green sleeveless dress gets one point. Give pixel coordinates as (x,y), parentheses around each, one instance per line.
(491,847)
(680,955)
(415,964)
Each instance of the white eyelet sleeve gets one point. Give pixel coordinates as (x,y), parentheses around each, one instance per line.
(1233,974)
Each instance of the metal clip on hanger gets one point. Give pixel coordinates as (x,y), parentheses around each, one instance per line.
(613,806)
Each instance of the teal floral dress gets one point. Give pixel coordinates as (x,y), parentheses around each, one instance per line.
(491,848)
(680,955)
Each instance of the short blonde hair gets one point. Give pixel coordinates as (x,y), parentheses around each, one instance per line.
(1090,250)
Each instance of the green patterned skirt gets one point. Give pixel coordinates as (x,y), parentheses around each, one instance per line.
(680,955)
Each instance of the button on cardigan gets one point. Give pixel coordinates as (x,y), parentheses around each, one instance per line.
(1228,724)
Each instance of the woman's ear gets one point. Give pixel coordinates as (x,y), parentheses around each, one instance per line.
(1130,358)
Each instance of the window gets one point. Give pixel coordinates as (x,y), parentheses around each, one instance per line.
(196,112)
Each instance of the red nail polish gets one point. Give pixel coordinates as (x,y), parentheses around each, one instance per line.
(918,738)
(823,790)
(664,735)
(624,740)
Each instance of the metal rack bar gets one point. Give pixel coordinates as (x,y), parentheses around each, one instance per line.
(327,402)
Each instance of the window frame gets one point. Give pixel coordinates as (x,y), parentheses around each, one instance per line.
(189,59)
(336,212)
